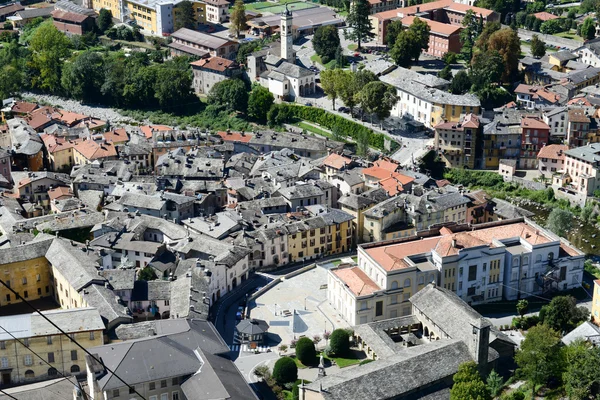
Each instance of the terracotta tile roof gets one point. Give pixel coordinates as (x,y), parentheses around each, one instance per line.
(56,143)
(215,63)
(580,101)
(387,165)
(116,136)
(68,16)
(537,92)
(336,161)
(463,8)
(533,123)
(386,15)
(147,129)
(391,257)
(442,182)
(235,137)
(23,107)
(569,250)
(434,5)
(434,26)
(58,192)
(578,115)
(93,151)
(468,121)
(395,184)
(10,9)
(358,282)
(553,151)
(545,16)
(377,172)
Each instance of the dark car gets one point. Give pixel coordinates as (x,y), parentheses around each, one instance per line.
(308,104)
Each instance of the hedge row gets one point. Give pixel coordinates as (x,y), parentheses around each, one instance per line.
(329,120)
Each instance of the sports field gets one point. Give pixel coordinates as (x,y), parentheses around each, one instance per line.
(279,7)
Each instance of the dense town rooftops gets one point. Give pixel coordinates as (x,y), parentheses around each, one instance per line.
(589,154)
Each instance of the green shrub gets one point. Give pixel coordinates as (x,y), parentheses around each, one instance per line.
(340,342)
(285,371)
(305,351)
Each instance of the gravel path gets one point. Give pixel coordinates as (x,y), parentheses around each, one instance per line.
(103,113)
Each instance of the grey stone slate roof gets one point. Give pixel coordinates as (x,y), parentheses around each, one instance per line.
(55,389)
(363,200)
(158,327)
(25,252)
(402,373)
(507,210)
(288,69)
(201,355)
(448,311)
(76,264)
(24,139)
(374,334)
(120,279)
(300,192)
(151,290)
(138,200)
(103,299)
(586,331)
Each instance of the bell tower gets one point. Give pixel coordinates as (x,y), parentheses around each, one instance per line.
(287,41)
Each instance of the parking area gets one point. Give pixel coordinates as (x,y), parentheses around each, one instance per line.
(297,307)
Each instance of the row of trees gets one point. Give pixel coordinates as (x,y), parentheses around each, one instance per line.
(49,64)
(235,95)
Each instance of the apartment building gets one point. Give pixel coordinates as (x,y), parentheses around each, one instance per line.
(551,159)
(481,263)
(596,303)
(582,170)
(154,17)
(420,99)
(456,142)
(357,204)
(443,38)
(210,71)
(37,337)
(502,138)
(578,126)
(216,11)
(535,135)
(556,118)
(377,6)
(533,96)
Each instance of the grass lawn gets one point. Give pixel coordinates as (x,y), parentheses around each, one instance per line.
(317,58)
(355,357)
(264,5)
(345,362)
(336,262)
(315,130)
(352,47)
(593,271)
(569,35)
(355,258)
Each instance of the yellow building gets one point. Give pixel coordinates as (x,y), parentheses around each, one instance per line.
(596,303)
(26,271)
(34,335)
(152,16)
(356,205)
(328,233)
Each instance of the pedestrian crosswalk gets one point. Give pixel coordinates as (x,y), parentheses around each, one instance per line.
(244,348)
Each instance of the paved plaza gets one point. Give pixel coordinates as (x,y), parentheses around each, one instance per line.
(298,307)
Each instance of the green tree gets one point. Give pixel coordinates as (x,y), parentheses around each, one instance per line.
(246,49)
(421,30)
(562,314)
(461,83)
(488,30)
(330,84)
(520,18)
(49,48)
(468,35)
(588,29)
(238,18)
(185,16)
(539,357)
(231,93)
(337,133)
(445,73)
(82,78)
(393,30)
(486,69)
(260,102)
(522,306)
(339,342)
(362,144)
(305,351)
(378,98)
(581,376)
(285,371)
(325,42)
(551,27)
(147,274)
(559,221)
(508,45)
(468,384)
(173,82)
(12,81)
(450,58)
(340,60)
(538,47)
(359,23)
(410,43)
(104,20)
(494,383)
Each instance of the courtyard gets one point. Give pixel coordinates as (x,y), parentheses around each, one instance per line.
(298,307)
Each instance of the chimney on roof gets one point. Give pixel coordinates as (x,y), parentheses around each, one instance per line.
(453,243)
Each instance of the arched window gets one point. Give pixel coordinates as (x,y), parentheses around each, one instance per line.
(525,260)
(52,371)
(421,280)
(75,368)
(395,285)
(407,282)
(431,277)
(29,374)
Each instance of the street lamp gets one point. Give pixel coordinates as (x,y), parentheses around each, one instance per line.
(305,303)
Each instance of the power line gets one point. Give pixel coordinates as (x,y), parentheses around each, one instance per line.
(46,362)
(97,359)
(6,394)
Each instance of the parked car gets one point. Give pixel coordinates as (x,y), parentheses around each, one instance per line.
(308,104)
(239,315)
